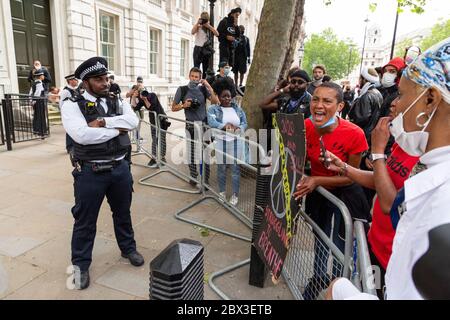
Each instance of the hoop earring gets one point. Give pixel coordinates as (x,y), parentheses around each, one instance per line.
(420,115)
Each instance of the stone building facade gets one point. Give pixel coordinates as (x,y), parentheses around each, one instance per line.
(148,38)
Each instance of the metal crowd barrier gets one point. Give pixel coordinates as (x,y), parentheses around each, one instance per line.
(314,260)
(308,242)
(139,139)
(225,167)
(169,165)
(365,278)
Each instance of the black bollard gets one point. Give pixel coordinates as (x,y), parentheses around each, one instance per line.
(258,270)
(177,272)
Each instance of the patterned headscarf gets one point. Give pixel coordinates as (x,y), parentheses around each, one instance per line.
(432,69)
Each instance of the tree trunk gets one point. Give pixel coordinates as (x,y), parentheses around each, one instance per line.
(278,35)
(297,35)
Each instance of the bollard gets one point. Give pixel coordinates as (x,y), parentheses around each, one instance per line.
(258,270)
(177,272)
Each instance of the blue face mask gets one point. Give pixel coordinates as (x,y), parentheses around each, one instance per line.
(329,123)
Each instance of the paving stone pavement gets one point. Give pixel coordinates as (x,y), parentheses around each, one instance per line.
(36,195)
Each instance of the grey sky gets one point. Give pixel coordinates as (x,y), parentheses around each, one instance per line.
(346,17)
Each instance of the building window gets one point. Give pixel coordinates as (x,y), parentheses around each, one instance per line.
(182,4)
(184,57)
(154,50)
(373,56)
(366,63)
(108,42)
(156,2)
(204,5)
(373,63)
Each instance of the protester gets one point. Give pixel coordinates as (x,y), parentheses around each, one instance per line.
(347,141)
(152,104)
(319,72)
(349,97)
(241,57)
(223,72)
(47,78)
(365,113)
(228,34)
(137,104)
(114,88)
(391,74)
(387,179)
(419,264)
(229,117)
(203,50)
(293,98)
(192,99)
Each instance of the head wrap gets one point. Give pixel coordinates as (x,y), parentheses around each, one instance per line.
(431,69)
(366,75)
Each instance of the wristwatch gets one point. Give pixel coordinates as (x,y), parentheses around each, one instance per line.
(102,120)
(376,156)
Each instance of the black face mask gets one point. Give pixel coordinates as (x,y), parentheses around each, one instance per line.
(297,94)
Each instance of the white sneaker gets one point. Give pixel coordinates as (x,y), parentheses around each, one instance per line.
(223,196)
(234,200)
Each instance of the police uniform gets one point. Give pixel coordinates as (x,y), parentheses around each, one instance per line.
(67,93)
(39,105)
(100,168)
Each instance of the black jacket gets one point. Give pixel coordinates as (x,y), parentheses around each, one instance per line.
(389,95)
(155,106)
(365,111)
(227,28)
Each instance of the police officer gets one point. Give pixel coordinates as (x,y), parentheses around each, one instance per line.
(99,129)
(69,91)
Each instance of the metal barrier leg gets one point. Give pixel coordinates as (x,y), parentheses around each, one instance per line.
(222,272)
(204,198)
(144,181)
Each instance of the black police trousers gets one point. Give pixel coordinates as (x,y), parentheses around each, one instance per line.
(90,190)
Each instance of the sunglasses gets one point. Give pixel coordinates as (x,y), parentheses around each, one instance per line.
(294,82)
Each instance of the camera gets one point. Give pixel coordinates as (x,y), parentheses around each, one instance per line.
(143,92)
(195,103)
(203,21)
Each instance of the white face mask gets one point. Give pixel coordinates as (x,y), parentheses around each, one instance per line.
(227,71)
(414,143)
(388,80)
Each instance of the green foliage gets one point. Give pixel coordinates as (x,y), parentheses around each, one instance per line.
(416,6)
(401,47)
(337,55)
(439,32)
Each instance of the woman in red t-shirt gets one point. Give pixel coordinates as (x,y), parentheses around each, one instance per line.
(348,142)
(387,178)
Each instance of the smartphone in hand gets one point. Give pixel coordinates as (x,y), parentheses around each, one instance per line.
(323,153)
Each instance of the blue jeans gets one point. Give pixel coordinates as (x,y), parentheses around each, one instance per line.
(233,149)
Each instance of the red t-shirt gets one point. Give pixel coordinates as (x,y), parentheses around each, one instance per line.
(347,139)
(381,233)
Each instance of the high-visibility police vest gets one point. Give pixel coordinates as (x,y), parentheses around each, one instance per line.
(109,150)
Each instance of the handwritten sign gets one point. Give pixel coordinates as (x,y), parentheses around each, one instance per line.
(280,211)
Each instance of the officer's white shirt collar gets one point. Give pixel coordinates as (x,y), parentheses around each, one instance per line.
(91,98)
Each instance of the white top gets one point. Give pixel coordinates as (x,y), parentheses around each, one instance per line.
(200,37)
(427,202)
(39,89)
(427,207)
(229,117)
(64,95)
(77,128)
